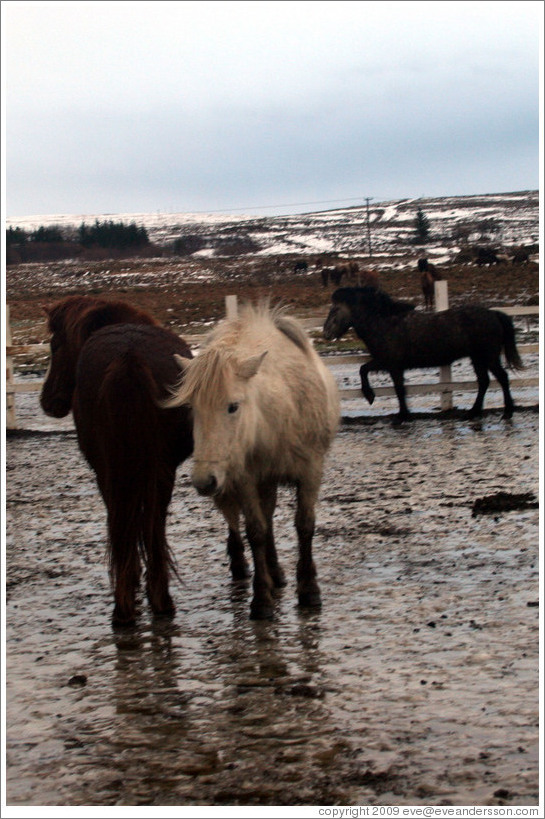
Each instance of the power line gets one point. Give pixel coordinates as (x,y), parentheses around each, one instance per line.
(284,205)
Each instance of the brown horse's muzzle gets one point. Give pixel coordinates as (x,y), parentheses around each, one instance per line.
(56,407)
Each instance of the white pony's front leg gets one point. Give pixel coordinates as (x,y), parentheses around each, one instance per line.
(308,590)
(256,531)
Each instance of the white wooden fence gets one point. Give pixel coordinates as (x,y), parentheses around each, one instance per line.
(444,386)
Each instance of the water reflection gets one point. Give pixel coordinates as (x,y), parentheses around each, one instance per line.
(244,695)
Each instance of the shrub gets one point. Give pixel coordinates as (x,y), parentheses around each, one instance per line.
(236,246)
(186,245)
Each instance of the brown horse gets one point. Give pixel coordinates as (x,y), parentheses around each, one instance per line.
(111,364)
(368,277)
(428,276)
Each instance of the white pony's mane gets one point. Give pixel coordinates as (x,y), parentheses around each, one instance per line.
(208,370)
(261,316)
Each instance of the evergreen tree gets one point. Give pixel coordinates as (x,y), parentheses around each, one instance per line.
(422,227)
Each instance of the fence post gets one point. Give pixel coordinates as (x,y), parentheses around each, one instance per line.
(11,421)
(445,373)
(231,307)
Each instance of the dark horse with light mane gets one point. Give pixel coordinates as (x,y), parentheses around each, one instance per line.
(399,339)
(111,364)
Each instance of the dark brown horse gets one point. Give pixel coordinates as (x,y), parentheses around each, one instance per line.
(398,338)
(111,364)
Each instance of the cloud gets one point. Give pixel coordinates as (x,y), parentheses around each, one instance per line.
(212,105)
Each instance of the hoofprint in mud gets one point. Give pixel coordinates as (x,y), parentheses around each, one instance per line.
(417,683)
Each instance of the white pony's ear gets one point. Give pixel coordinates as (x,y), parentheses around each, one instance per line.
(183,363)
(248,368)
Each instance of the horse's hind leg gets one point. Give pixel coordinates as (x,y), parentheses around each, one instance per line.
(308,590)
(399,386)
(235,546)
(125,570)
(267,493)
(503,379)
(158,560)
(483,380)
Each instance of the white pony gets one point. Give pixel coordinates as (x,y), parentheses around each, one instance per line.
(265,411)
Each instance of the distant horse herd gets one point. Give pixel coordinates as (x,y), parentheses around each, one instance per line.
(257,409)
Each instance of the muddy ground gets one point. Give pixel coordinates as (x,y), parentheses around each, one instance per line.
(417,683)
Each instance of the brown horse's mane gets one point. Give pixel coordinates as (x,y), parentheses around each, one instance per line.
(78,317)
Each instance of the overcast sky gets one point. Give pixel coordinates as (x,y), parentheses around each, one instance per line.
(266,107)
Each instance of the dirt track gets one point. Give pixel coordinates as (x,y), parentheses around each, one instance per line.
(416,684)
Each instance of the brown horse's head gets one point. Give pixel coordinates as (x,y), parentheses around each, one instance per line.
(71,322)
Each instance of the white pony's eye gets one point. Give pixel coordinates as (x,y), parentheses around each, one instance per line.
(232,408)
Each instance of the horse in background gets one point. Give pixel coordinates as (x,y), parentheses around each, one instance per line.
(399,339)
(368,277)
(428,276)
(347,269)
(111,364)
(265,411)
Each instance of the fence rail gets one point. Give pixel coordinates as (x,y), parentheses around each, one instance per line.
(445,387)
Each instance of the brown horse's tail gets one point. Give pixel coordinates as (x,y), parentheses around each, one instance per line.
(511,353)
(138,483)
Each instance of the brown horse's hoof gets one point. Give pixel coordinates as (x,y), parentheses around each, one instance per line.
(310,598)
(261,611)
(399,419)
(240,570)
(278,577)
(123,619)
(310,601)
(164,608)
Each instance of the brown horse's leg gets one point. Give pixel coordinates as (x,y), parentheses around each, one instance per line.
(158,558)
(503,379)
(399,386)
(256,532)
(366,388)
(123,557)
(159,563)
(125,570)
(268,494)
(308,590)
(483,380)
(230,510)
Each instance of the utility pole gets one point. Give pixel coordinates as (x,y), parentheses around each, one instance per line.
(367,200)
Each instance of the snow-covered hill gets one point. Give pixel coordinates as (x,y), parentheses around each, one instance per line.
(505,219)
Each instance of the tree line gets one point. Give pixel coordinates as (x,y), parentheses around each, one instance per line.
(107,234)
